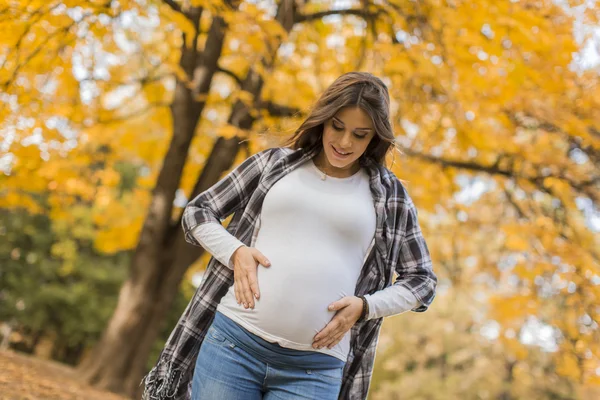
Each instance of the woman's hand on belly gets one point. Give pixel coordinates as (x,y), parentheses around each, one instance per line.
(349,311)
(245,262)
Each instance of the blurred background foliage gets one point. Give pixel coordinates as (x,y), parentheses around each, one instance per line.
(114,113)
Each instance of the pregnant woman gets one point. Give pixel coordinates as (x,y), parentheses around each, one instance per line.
(292,301)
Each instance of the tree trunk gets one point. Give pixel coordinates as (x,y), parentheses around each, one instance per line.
(162,255)
(507,383)
(110,364)
(177,257)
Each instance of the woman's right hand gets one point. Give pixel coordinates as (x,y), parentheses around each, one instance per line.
(245,263)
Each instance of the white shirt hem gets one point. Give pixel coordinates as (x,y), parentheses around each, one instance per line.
(282,342)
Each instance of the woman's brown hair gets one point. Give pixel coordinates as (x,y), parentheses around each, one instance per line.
(360,89)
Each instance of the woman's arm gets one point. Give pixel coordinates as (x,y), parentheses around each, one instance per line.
(413,266)
(392,300)
(414,288)
(227,196)
(217,241)
(412,258)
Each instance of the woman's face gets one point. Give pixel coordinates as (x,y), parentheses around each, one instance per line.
(346,137)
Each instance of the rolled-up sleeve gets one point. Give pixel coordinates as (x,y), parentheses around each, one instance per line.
(413,266)
(227,196)
(393,300)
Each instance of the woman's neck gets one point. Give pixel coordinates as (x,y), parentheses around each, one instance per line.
(323,164)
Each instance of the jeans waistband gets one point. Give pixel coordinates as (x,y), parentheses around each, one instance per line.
(272,352)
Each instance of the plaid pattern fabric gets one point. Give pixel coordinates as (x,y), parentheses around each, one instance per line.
(399,246)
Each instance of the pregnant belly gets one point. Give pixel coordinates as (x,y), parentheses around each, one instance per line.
(293,302)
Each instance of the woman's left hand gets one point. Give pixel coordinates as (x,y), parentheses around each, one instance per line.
(350,308)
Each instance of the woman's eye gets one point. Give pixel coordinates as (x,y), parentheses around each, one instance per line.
(337,128)
(360,136)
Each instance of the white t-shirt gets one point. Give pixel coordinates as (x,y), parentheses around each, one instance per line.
(316,234)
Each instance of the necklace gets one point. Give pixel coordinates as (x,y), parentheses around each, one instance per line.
(323,174)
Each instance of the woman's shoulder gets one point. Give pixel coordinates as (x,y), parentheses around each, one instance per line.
(265,159)
(273,154)
(281,151)
(276,151)
(395,187)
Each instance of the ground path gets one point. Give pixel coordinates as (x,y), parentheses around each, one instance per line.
(24,377)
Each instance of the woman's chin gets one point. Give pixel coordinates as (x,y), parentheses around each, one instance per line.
(337,163)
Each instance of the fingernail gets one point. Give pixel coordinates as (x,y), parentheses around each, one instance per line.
(268,262)
(245,305)
(256,295)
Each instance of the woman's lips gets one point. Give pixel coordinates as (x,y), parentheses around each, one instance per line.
(338,154)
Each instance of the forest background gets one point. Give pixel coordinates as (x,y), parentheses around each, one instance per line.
(114,113)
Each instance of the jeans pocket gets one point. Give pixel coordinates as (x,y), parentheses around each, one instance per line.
(213,335)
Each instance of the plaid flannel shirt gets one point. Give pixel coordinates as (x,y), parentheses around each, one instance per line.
(399,246)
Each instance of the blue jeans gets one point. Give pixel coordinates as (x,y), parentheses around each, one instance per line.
(226,371)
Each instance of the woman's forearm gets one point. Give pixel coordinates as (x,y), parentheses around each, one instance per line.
(217,241)
(392,300)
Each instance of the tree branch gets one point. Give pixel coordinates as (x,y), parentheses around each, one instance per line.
(231,74)
(538,181)
(277,110)
(136,113)
(533,122)
(514,204)
(65,29)
(174,6)
(318,15)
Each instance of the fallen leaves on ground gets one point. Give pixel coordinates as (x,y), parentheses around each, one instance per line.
(25,377)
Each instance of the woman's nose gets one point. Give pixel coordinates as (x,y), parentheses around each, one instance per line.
(346,140)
